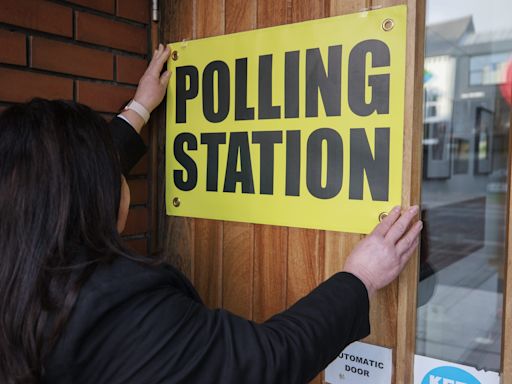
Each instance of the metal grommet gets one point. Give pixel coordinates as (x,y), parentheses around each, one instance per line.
(176,202)
(388,25)
(174,55)
(382,216)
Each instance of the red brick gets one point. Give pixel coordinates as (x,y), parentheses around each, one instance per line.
(37,14)
(102,31)
(137,223)
(141,168)
(103,97)
(14,48)
(100,5)
(130,69)
(138,191)
(68,58)
(137,10)
(140,246)
(21,86)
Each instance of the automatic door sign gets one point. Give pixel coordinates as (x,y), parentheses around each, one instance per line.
(361,363)
(298,125)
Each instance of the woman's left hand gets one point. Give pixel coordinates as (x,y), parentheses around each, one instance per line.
(152,85)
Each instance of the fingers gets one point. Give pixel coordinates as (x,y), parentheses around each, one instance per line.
(408,253)
(160,57)
(401,226)
(164,79)
(408,240)
(383,227)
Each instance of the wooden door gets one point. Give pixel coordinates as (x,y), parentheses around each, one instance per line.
(258,270)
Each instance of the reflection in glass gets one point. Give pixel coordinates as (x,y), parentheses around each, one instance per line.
(467,97)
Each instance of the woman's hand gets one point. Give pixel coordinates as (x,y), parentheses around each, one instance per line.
(380,257)
(152,85)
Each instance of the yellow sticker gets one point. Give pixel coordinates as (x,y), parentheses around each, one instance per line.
(298,125)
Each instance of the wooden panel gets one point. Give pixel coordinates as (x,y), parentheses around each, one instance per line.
(209,18)
(305,246)
(271,243)
(230,262)
(238,247)
(240,15)
(207,262)
(506,347)
(272,13)
(408,281)
(178,239)
(339,245)
(270,255)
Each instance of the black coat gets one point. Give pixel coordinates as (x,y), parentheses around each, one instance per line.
(134,323)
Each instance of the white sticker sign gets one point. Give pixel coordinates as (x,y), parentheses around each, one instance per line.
(433,371)
(361,363)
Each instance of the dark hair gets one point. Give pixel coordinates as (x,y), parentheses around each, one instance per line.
(60,182)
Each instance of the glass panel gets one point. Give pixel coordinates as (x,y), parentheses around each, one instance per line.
(468,92)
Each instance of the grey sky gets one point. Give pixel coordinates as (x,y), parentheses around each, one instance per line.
(487,14)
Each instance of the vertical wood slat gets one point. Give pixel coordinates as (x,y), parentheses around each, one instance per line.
(208,240)
(383,317)
(178,241)
(305,246)
(411,184)
(270,242)
(238,244)
(506,346)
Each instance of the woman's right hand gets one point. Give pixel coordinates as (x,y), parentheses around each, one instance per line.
(379,258)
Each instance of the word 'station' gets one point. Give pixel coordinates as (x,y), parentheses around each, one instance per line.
(298,125)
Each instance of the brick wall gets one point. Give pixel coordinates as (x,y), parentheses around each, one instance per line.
(90,51)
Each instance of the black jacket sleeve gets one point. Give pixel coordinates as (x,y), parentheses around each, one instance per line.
(128,142)
(154,329)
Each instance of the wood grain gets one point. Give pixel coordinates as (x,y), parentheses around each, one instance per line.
(178,239)
(208,242)
(270,256)
(306,252)
(238,245)
(411,184)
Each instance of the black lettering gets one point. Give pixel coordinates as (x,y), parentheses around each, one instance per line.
(328,84)
(291,84)
(182,92)
(239,143)
(242,112)
(357,78)
(266,140)
(265,108)
(222,70)
(212,141)
(292,163)
(186,161)
(362,161)
(334,163)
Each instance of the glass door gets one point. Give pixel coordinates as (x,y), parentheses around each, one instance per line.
(467,99)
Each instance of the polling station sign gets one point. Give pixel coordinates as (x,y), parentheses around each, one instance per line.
(298,125)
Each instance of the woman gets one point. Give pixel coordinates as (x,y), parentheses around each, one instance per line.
(78,307)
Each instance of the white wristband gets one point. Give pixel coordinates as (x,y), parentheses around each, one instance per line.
(139,109)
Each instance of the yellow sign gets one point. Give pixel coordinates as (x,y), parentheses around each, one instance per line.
(298,125)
